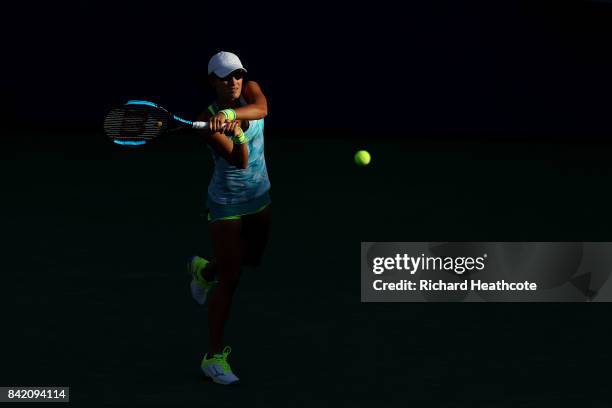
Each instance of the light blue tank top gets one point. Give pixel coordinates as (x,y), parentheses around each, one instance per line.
(232,185)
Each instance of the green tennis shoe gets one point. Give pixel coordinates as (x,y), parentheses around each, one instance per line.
(218,369)
(200,287)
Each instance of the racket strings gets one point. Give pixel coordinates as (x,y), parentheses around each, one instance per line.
(135,123)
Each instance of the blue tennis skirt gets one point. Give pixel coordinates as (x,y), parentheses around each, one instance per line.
(218,211)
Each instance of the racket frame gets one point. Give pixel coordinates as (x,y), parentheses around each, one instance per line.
(191,124)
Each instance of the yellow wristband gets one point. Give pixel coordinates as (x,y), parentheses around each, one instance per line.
(230,114)
(240,139)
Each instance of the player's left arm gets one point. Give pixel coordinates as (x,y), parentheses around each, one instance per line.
(257,104)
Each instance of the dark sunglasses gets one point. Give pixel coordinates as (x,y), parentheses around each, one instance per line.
(238,74)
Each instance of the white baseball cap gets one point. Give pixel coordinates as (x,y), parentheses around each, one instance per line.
(224,63)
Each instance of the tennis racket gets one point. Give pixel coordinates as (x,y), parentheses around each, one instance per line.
(138,122)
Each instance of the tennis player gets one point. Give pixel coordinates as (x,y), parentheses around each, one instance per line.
(238,200)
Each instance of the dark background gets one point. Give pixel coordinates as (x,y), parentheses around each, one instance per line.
(509,67)
(487,121)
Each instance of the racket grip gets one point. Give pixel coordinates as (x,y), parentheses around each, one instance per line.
(201,125)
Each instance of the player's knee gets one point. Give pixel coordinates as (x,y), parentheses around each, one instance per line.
(252,261)
(229,282)
(228,271)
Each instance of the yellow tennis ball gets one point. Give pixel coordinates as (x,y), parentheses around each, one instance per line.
(159,123)
(362,158)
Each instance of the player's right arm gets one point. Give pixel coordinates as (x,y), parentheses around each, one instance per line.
(235,154)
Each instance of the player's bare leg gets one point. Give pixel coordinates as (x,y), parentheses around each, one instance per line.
(255,236)
(236,243)
(228,259)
